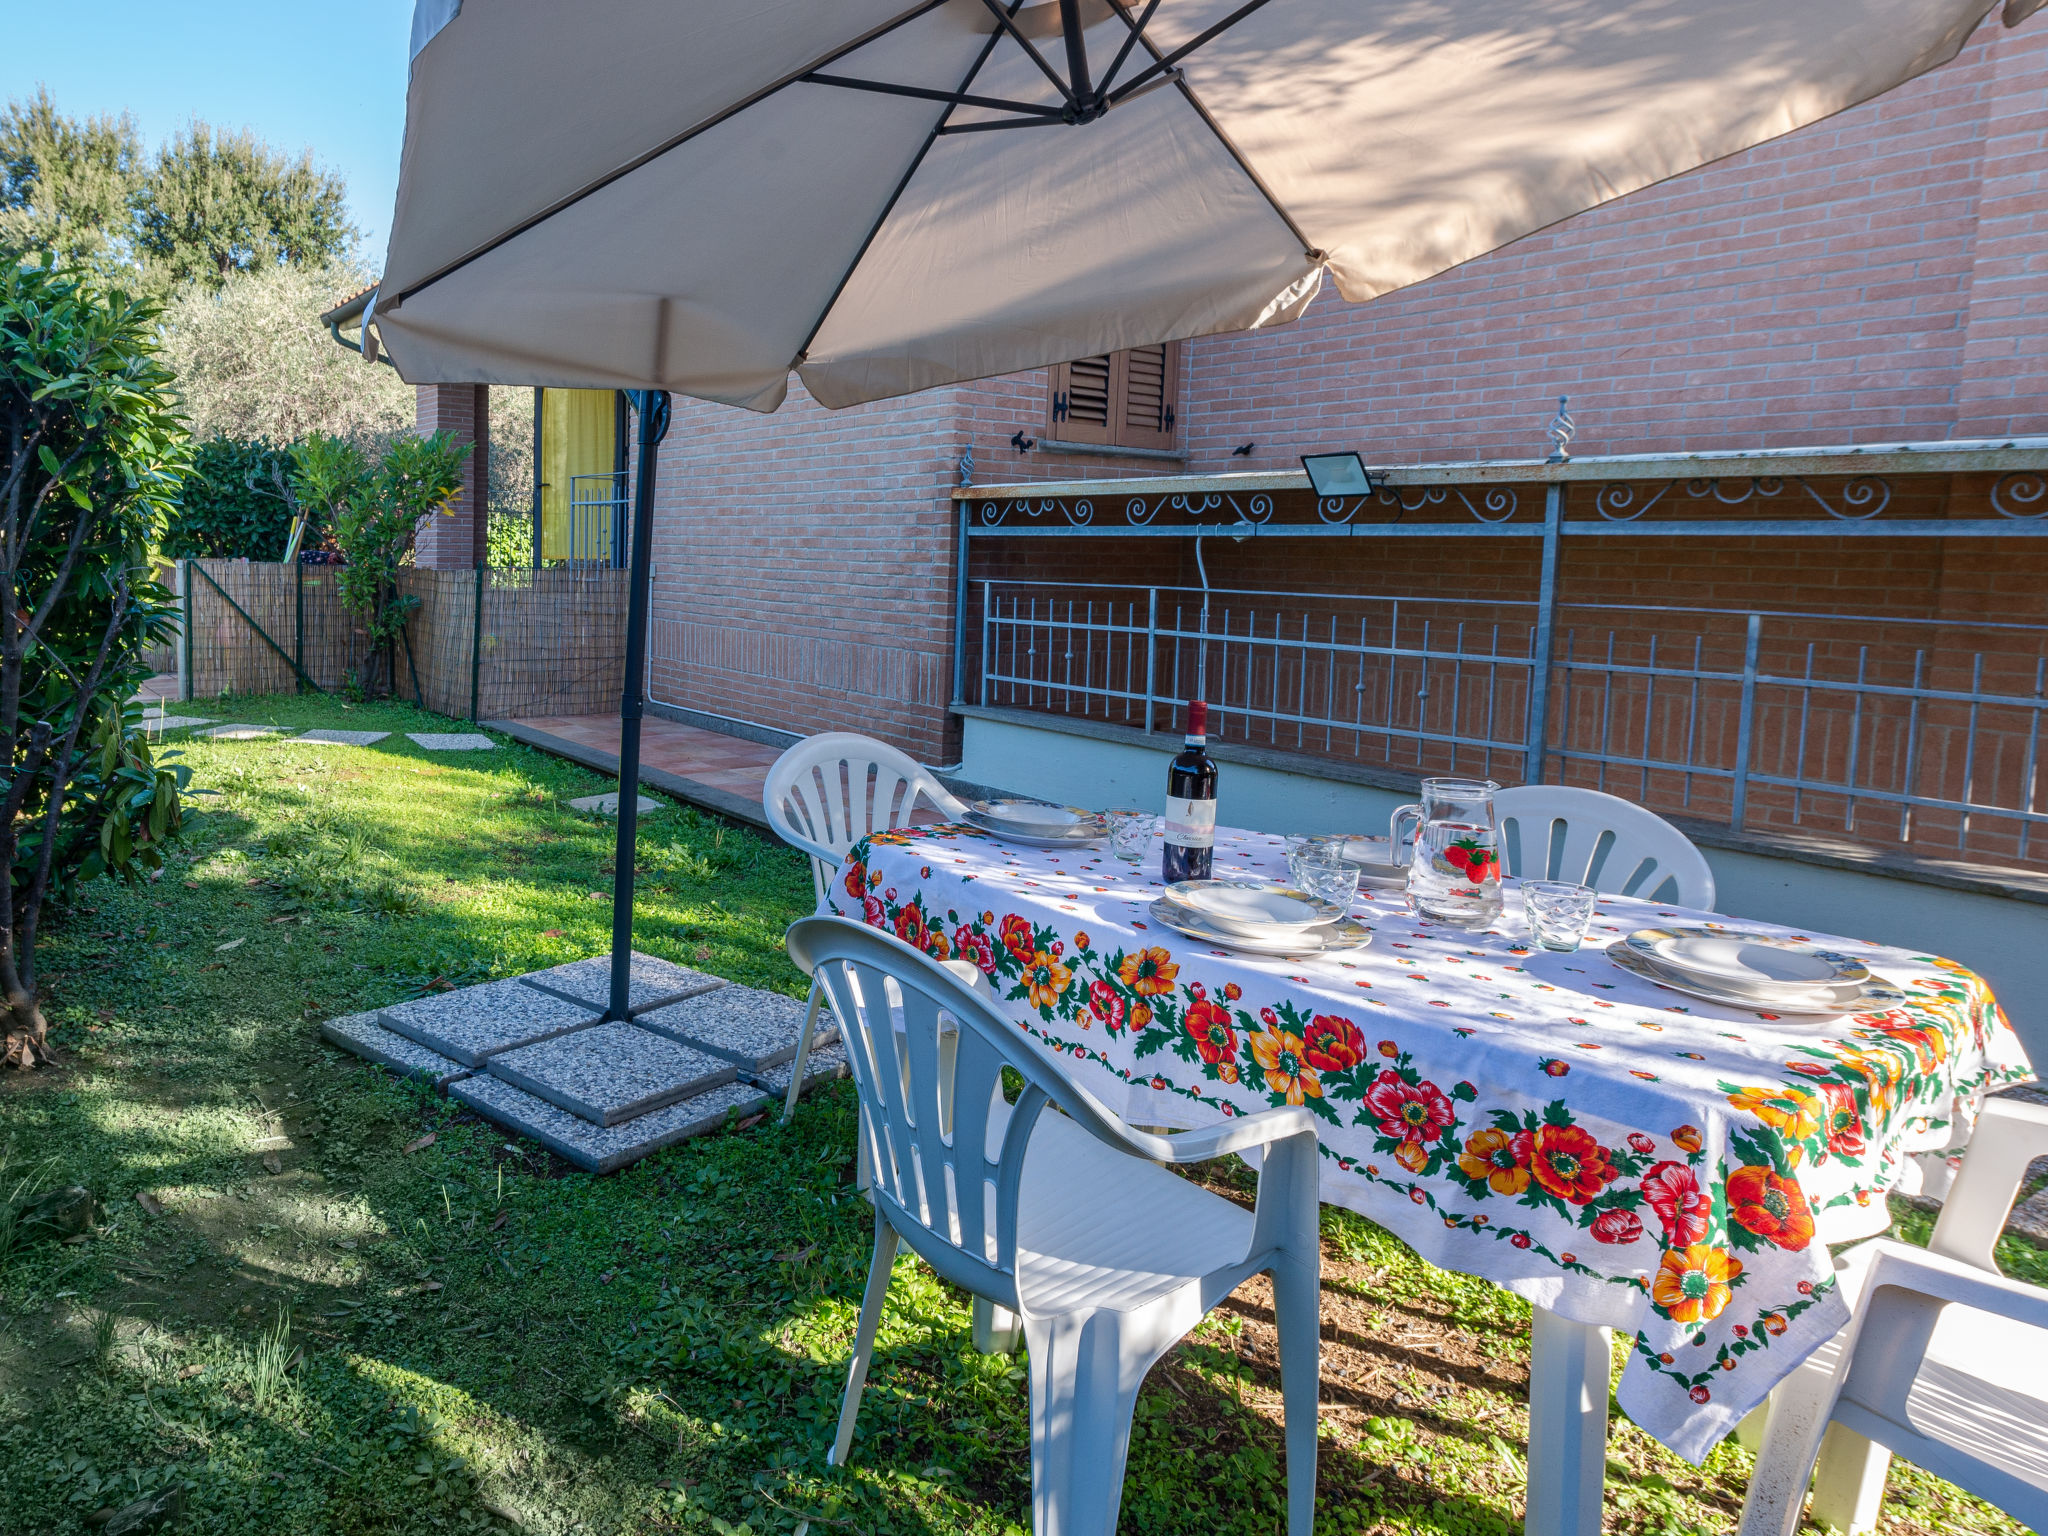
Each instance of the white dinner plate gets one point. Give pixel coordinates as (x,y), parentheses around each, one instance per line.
(1037,823)
(1867,996)
(1260,908)
(1732,957)
(1335,938)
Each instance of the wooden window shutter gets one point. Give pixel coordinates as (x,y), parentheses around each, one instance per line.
(1082,401)
(1124,399)
(1147,395)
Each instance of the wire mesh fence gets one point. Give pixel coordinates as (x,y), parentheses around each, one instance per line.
(482,644)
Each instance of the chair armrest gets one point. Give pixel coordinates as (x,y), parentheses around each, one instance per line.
(2010,1134)
(1939,1278)
(1213,1141)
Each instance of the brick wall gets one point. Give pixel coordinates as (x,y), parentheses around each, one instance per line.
(455,540)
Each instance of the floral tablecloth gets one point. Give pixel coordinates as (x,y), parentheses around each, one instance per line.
(1613,1151)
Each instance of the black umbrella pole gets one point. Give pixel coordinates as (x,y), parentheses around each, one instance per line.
(654,406)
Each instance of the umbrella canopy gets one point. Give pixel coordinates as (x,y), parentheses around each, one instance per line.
(888,195)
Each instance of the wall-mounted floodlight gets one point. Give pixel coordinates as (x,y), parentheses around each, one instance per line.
(1338,474)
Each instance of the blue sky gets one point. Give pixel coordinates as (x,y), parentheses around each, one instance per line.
(322,75)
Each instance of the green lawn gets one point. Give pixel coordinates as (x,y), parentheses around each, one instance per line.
(480,1338)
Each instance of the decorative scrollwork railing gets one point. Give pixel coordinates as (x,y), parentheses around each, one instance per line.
(2023,488)
(1862,497)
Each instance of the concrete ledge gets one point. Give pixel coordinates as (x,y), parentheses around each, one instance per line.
(1825,852)
(725,725)
(709,796)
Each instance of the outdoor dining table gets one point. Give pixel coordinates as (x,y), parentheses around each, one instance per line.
(1622,1156)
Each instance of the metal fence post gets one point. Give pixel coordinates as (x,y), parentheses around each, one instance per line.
(476,642)
(1536,731)
(185,639)
(1151,650)
(1739,800)
(987,632)
(960,612)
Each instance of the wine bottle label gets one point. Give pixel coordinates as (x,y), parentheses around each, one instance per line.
(1191,823)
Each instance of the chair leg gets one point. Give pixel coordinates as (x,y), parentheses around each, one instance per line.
(1297,1311)
(1800,1409)
(864,1337)
(1086,1369)
(997,1330)
(803,1050)
(1848,1482)
(1568,1391)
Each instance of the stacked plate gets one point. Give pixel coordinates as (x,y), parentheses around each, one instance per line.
(1037,824)
(1259,916)
(1752,970)
(1374,859)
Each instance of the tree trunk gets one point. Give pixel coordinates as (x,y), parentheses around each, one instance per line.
(24,1044)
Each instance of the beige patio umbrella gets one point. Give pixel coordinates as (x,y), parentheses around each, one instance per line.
(888,195)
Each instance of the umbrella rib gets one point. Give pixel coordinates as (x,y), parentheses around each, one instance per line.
(1180,79)
(561,205)
(1160,63)
(916,160)
(1003,122)
(1137,31)
(996,10)
(951,98)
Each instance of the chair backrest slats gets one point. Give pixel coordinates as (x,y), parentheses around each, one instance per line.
(1558,832)
(829,791)
(928,1053)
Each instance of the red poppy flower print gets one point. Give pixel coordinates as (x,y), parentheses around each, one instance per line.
(1700,1395)
(1332,1044)
(1569,1163)
(1415,1112)
(1016,935)
(973,945)
(1841,1120)
(1555,1068)
(1674,1193)
(910,926)
(1106,1005)
(1518,1239)
(1640,1143)
(1208,1025)
(1617,1227)
(1773,1207)
(874,913)
(856,880)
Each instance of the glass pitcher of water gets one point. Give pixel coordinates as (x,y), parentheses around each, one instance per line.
(1454,872)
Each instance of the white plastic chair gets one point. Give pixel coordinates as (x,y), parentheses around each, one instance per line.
(1642,851)
(824,795)
(1062,1218)
(1944,1362)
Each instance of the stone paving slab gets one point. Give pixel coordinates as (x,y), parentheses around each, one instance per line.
(450,741)
(603,1148)
(477,1022)
(655,982)
(612,1072)
(608,805)
(821,1066)
(174,722)
(746,1025)
(242,732)
(362,1034)
(346,738)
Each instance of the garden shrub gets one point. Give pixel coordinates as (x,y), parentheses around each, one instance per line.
(233,504)
(91,459)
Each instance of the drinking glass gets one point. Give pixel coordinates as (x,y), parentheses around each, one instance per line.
(1130,833)
(1558,912)
(1321,869)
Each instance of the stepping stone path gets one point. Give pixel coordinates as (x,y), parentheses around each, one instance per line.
(608,805)
(174,722)
(534,1055)
(346,738)
(242,732)
(447,741)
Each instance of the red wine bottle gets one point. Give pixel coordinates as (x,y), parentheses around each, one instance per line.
(1191,804)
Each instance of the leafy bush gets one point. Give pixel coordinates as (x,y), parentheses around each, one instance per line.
(91,457)
(511,541)
(233,504)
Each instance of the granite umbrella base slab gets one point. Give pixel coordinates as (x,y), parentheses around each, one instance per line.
(603,1148)
(654,982)
(746,1025)
(611,1073)
(362,1034)
(477,1022)
(345,738)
